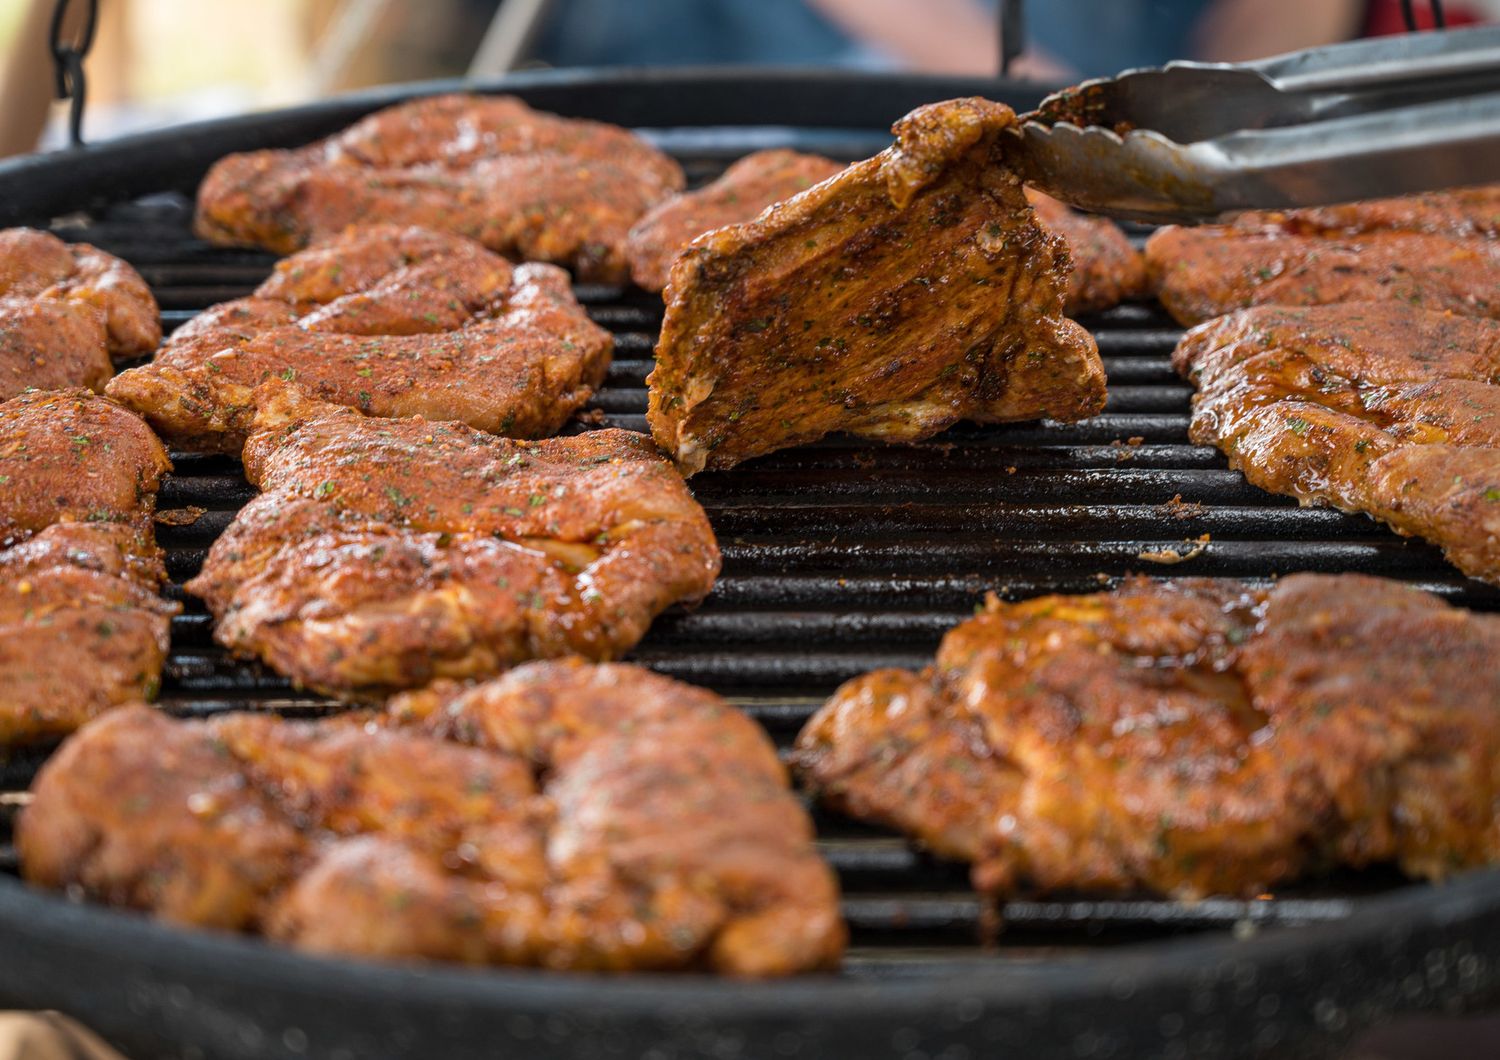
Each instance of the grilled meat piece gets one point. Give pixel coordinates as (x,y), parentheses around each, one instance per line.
(1200,273)
(64,310)
(1190,737)
(71,456)
(81,626)
(395,321)
(51,345)
(567,816)
(1458,212)
(530,185)
(383,554)
(38,266)
(1375,408)
(1107,270)
(82,629)
(743,191)
(913,290)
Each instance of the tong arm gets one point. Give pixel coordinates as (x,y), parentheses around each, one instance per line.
(1191,141)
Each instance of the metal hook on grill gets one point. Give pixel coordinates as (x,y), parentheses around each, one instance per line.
(1012,33)
(67,57)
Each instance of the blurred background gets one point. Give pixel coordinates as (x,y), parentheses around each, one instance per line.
(158,62)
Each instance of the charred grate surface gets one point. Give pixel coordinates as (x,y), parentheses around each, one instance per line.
(844,556)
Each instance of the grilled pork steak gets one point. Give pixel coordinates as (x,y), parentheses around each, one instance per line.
(566,816)
(393,321)
(82,628)
(533,186)
(385,553)
(1377,408)
(1190,737)
(913,290)
(1201,273)
(65,310)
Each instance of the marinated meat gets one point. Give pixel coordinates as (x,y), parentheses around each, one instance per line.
(913,290)
(1107,270)
(533,186)
(65,309)
(394,321)
(1351,252)
(1200,273)
(47,345)
(383,554)
(71,456)
(82,628)
(1376,408)
(37,266)
(745,189)
(1459,212)
(1189,737)
(566,816)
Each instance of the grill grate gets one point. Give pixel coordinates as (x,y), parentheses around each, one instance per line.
(869,553)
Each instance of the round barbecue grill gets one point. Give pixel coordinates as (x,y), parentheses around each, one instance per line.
(839,557)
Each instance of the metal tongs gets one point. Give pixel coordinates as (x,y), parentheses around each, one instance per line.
(1191,141)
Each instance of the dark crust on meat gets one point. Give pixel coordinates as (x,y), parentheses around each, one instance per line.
(386,553)
(1376,408)
(913,290)
(1190,737)
(531,185)
(567,816)
(82,628)
(392,320)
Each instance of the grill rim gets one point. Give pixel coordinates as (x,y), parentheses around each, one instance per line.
(253,978)
(1471,894)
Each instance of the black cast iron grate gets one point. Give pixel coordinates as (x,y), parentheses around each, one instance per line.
(844,556)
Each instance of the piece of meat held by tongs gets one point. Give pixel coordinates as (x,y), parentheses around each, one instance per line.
(1191,141)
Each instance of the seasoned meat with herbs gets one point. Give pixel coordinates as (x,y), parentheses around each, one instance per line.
(65,310)
(1107,270)
(1377,408)
(743,191)
(911,291)
(531,185)
(386,553)
(1190,737)
(82,628)
(1201,273)
(394,321)
(72,456)
(566,816)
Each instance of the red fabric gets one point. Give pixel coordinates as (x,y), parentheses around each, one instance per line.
(1385,16)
